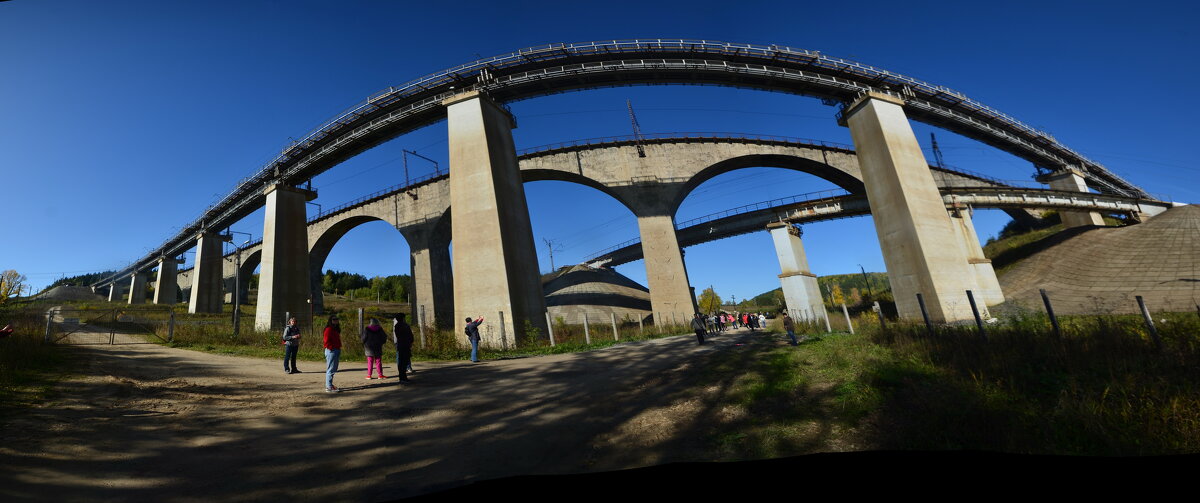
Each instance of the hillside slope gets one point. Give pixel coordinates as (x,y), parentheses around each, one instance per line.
(1101,270)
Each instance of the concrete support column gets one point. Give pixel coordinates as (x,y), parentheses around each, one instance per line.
(1071,180)
(987,287)
(920,248)
(666,274)
(495,262)
(114,292)
(433,285)
(166,284)
(432,278)
(800,289)
(137,288)
(283,281)
(206,275)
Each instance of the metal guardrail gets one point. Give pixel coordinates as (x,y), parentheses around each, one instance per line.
(835,76)
(681,136)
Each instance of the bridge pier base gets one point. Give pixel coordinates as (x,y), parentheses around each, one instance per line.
(166,284)
(283,281)
(206,275)
(495,262)
(666,274)
(114,292)
(922,253)
(800,289)
(137,288)
(1071,180)
(987,287)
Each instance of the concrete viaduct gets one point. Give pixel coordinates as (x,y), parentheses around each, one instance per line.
(491,222)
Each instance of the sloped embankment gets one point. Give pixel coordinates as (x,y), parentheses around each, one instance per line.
(1101,270)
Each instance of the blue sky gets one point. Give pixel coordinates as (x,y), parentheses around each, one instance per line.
(121,121)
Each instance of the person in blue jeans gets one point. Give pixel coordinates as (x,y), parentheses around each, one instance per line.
(291,345)
(332,337)
(473,336)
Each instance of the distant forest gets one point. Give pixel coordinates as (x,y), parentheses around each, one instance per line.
(853,289)
(81,280)
(384,288)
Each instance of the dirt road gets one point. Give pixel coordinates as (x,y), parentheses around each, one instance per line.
(146,422)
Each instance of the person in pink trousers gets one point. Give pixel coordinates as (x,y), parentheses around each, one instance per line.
(373,338)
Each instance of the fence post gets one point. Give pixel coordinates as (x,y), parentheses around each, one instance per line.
(640,331)
(879,312)
(825,316)
(503,333)
(1149,322)
(925,314)
(1050,312)
(421,325)
(46,340)
(360,322)
(550,328)
(171,328)
(846,313)
(614,325)
(587,336)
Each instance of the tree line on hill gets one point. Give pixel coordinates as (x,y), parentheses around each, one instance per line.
(858,291)
(383,288)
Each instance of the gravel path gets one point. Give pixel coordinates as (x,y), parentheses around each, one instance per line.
(146,422)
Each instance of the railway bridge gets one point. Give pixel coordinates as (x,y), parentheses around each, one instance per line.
(491,222)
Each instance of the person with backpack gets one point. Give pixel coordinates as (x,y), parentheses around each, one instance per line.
(291,346)
(472,331)
(372,340)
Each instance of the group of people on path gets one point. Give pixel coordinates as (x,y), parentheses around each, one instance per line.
(373,338)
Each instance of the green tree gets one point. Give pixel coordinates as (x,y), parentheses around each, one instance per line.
(709,301)
(11,283)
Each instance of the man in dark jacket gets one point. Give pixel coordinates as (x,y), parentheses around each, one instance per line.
(402,336)
(473,336)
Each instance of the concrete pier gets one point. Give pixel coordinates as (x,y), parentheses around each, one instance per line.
(167,281)
(800,288)
(433,282)
(1071,179)
(206,275)
(987,287)
(495,262)
(666,273)
(283,281)
(137,289)
(922,253)
(114,292)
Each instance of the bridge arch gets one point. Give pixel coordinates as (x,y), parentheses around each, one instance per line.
(844,178)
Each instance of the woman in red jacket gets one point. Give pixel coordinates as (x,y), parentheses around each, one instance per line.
(332,337)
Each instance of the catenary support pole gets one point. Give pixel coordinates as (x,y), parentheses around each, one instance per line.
(614,325)
(1149,322)
(587,335)
(1050,312)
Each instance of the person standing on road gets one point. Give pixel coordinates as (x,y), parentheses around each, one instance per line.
(291,345)
(473,336)
(402,336)
(790,327)
(762,321)
(698,326)
(332,340)
(372,340)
